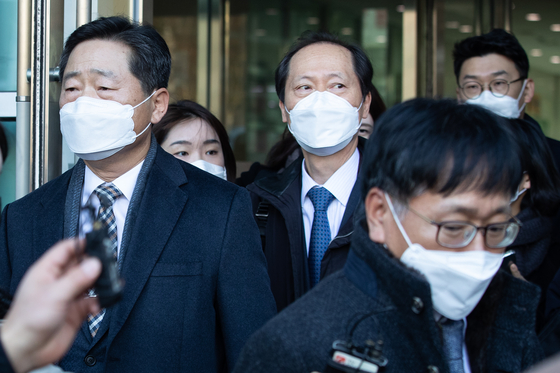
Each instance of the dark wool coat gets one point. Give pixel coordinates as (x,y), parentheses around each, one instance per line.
(376,297)
(553,144)
(537,254)
(284,237)
(195,276)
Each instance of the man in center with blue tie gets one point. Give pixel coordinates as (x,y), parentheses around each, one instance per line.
(305,212)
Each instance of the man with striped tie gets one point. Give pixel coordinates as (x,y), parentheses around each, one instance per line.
(184,241)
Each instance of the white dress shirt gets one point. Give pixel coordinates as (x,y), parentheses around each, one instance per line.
(125,183)
(340,184)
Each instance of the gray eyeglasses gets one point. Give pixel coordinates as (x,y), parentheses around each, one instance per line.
(498,87)
(457,234)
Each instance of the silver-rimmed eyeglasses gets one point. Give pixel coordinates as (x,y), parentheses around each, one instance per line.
(457,234)
(498,87)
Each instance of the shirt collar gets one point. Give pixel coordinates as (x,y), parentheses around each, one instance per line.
(340,184)
(126,182)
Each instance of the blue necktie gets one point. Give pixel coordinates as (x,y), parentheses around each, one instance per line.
(107,194)
(453,344)
(320,231)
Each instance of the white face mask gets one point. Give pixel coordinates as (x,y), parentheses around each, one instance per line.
(457,280)
(506,106)
(96,129)
(324,123)
(211,168)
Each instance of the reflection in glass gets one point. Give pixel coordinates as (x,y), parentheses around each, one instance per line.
(261,32)
(8,45)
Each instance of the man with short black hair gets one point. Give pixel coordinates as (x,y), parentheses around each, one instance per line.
(305,212)
(492,70)
(185,242)
(421,290)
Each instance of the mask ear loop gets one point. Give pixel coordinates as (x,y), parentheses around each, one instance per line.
(144,130)
(286,108)
(359,107)
(358,111)
(397,220)
(288,124)
(519,98)
(147,98)
(148,126)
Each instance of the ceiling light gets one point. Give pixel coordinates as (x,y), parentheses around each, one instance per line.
(381,39)
(536,52)
(465,29)
(401,8)
(533,17)
(313,20)
(555,60)
(452,24)
(555,27)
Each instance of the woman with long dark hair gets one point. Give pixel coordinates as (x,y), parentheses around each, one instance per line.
(193,134)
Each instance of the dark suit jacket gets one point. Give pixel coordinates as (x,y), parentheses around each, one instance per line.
(196,280)
(284,235)
(553,144)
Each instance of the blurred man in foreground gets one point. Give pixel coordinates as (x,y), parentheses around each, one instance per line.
(420,290)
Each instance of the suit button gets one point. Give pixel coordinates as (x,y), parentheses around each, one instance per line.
(417,305)
(432,369)
(90,361)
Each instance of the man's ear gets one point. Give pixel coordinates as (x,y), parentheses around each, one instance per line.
(283,111)
(366,105)
(376,208)
(529,91)
(526,182)
(161,101)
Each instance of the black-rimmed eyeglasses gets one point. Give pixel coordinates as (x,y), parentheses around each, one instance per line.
(498,87)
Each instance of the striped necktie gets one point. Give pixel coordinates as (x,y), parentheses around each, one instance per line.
(107,194)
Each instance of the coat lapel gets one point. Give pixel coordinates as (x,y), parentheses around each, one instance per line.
(49,219)
(49,224)
(161,206)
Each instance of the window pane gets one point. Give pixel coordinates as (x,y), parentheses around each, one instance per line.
(459,19)
(261,32)
(176,21)
(8,45)
(541,41)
